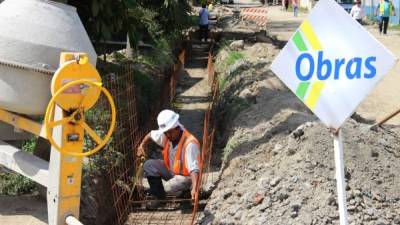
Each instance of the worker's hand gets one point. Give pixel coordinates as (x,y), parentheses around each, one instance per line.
(193,193)
(140,151)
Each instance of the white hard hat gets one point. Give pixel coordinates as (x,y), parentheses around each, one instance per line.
(167,119)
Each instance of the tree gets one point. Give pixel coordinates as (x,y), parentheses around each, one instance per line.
(143,20)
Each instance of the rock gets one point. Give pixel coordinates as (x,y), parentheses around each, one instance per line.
(234,209)
(377,197)
(227,194)
(351,208)
(382,142)
(298,132)
(265,205)
(246,93)
(357,192)
(292,147)
(282,196)
(295,179)
(331,200)
(382,222)
(278,148)
(374,153)
(275,181)
(294,214)
(264,183)
(237,45)
(295,206)
(258,199)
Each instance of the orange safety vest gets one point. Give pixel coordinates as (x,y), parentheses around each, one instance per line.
(179,167)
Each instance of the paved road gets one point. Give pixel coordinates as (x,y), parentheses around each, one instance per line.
(385,98)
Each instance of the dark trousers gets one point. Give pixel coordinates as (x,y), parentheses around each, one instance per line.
(203,32)
(384,21)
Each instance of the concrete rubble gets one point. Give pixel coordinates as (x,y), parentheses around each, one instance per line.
(278,162)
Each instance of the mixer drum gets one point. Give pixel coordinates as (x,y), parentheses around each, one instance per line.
(33,33)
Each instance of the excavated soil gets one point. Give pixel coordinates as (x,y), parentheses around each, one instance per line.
(278,160)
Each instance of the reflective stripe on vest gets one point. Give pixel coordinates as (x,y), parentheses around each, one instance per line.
(179,165)
(382,5)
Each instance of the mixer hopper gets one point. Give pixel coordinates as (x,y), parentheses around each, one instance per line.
(33,33)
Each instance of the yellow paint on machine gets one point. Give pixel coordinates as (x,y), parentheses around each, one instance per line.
(314,95)
(308,31)
(22,123)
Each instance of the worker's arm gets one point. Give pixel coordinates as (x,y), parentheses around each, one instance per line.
(195,178)
(393,9)
(143,145)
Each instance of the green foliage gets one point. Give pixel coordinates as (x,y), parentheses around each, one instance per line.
(142,20)
(233,57)
(29,145)
(395,27)
(15,184)
(144,81)
(99,119)
(222,82)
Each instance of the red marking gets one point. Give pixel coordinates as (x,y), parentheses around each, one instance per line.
(75,89)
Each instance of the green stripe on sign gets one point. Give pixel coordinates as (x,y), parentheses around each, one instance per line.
(302,89)
(298,41)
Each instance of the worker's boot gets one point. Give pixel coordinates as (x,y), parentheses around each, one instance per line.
(157,191)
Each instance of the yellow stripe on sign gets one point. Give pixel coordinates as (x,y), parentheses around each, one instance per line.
(314,95)
(308,31)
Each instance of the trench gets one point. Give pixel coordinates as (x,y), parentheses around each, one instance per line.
(193,101)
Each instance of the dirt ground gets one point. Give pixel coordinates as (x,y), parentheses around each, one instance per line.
(382,101)
(23,210)
(279,165)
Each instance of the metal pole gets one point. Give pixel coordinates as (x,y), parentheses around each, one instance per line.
(387,118)
(129,51)
(340,180)
(71,220)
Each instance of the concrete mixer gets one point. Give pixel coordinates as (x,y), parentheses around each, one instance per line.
(44,72)
(33,33)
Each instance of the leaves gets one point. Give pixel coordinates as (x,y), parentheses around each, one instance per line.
(95,8)
(144,20)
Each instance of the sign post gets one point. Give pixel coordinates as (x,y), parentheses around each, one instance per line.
(340,179)
(332,63)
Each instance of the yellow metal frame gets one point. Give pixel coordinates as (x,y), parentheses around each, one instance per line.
(22,123)
(49,125)
(78,95)
(76,87)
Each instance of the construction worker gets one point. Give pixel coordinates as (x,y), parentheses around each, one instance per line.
(384,10)
(181,163)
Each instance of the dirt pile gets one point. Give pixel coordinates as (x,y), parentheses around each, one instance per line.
(278,162)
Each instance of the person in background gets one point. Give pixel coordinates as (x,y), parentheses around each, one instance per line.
(210,7)
(295,7)
(384,10)
(357,11)
(203,24)
(286,4)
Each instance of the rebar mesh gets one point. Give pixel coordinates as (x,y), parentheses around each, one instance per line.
(129,132)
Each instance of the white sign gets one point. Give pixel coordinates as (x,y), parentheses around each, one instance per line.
(332,63)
